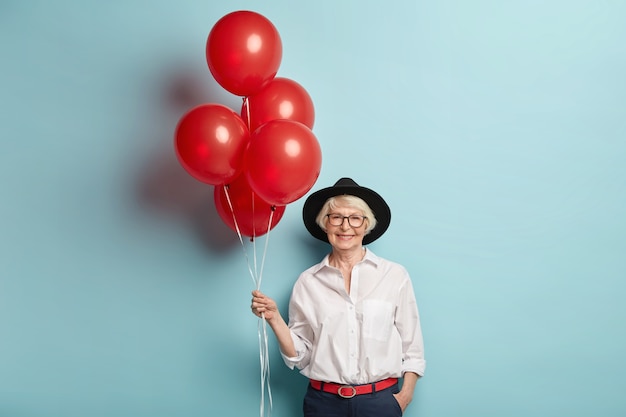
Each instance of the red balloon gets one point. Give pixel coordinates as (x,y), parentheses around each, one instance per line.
(281,98)
(282,161)
(210,141)
(250,211)
(243,51)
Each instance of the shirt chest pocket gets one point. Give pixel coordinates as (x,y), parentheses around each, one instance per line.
(377,319)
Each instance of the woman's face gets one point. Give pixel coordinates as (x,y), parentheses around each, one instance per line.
(345,236)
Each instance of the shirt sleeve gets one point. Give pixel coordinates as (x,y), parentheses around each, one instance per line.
(301,332)
(302,354)
(408,325)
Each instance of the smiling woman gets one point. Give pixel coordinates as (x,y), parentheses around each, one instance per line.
(494,130)
(346,191)
(351,299)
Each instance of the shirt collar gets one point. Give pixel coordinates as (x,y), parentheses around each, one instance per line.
(369,257)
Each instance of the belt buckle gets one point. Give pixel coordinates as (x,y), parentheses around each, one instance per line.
(341,388)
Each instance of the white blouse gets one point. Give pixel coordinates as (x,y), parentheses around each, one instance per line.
(371,334)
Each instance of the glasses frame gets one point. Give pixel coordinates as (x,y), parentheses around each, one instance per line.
(343,218)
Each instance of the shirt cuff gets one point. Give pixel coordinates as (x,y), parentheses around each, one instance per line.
(414,365)
(292,361)
(295,361)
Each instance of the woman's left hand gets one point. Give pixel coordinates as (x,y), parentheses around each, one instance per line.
(405,396)
(403,399)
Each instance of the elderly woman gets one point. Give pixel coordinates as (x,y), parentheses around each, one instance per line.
(354,326)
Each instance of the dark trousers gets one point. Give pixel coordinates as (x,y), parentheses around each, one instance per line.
(377,404)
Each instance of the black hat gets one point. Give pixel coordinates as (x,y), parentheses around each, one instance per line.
(346,186)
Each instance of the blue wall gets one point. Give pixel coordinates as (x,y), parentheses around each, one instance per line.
(495,130)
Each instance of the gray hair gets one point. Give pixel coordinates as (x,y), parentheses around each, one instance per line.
(346,201)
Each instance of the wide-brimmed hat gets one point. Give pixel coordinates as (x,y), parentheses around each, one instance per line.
(346,186)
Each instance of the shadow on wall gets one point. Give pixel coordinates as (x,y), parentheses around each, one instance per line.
(288,388)
(315,249)
(165,190)
(163,186)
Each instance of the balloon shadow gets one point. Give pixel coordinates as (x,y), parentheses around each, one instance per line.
(315,249)
(163,186)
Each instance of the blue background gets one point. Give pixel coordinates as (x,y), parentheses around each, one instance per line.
(495,129)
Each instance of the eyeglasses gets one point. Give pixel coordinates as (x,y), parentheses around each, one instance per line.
(354,220)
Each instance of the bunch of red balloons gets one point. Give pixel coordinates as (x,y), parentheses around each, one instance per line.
(264,157)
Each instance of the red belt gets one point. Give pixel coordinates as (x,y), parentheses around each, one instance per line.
(349,391)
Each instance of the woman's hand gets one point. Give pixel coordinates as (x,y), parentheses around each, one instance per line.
(403,400)
(405,396)
(263,306)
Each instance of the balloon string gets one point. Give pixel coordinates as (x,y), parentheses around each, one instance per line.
(262,324)
(247,105)
(267,239)
(243,246)
(265,366)
(264,355)
(253,238)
